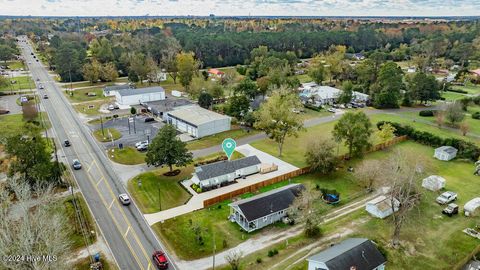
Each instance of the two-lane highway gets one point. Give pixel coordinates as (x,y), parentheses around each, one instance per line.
(125,230)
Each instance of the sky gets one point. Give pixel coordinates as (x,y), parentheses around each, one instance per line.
(241,7)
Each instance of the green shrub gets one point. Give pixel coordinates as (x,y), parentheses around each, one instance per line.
(259,260)
(476,115)
(426,113)
(272,252)
(312,107)
(199,190)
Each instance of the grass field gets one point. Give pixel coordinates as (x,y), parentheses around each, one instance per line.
(470,88)
(127,156)
(217,139)
(83,84)
(107,135)
(16,64)
(453,96)
(81,95)
(22,82)
(171,194)
(14,123)
(75,234)
(90,108)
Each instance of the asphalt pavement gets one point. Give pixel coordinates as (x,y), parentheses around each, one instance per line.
(124,228)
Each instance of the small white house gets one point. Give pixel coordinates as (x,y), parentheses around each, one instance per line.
(445,153)
(128,97)
(220,173)
(381,207)
(472,207)
(434,182)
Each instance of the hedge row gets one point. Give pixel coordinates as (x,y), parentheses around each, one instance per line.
(458,91)
(476,115)
(426,113)
(466,149)
(312,107)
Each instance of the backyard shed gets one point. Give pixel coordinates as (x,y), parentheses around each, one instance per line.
(445,153)
(472,207)
(434,182)
(381,207)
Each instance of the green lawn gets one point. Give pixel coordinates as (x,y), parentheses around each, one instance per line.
(453,96)
(75,234)
(470,88)
(437,239)
(107,134)
(127,156)
(217,139)
(90,108)
(81,95)
(14,123)
(22,82)
(16,64)
(147,195)
(421,126)
(309,114)
(83,84)
(304,78)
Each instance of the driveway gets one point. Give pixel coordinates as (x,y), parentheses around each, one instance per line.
(196,201)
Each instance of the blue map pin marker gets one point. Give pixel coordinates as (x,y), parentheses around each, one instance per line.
(228,147)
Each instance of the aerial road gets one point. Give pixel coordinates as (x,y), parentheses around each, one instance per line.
(126,232)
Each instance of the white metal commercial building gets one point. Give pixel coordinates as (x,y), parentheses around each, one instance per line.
(197,121)
(128,97)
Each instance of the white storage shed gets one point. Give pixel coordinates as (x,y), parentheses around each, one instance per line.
(445,153)
(381,207)
(434,182)
(472,207)
(128,97)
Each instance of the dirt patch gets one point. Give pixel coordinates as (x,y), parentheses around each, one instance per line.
(172,173)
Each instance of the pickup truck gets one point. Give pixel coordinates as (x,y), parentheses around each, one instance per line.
(446,197)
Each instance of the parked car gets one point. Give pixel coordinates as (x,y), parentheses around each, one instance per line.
(76,164)
(124,199)
(41,86)
(446,197)
(66,143)
(149,119)
(160,260)
(111,107)
(450,210)
(140,143)
(142,147)
(45,96)
(332,110)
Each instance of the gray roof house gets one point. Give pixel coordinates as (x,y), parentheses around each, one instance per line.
(109,91)
(350,254)
(445,153)
(264,209)
(223,172)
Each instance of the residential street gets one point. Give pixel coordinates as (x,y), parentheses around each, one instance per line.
(127,234)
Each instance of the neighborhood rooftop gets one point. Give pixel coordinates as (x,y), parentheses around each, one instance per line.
(196,115)
(268,202)
(117,87)
(225,167)
(139,91)
(360,252)
(447,149)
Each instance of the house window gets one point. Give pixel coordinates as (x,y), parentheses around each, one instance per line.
(265,218)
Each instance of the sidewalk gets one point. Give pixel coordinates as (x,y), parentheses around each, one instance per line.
(263,241)
(196,202)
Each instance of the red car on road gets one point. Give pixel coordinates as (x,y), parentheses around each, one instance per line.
(160,260)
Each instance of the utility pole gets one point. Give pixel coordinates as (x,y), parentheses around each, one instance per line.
(214,248)
(101,125)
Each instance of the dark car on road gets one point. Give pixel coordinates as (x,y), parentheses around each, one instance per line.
(149,119)
(66,143)
(160,260)
(76,164)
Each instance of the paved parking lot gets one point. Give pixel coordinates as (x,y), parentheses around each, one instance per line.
(9,102)
(132,132)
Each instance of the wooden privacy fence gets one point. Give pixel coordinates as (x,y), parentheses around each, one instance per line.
(286,176)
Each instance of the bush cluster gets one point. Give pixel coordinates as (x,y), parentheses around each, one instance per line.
(426,113)
(272,252)
(312,107)
(458,91)
(476,115)
(466,149)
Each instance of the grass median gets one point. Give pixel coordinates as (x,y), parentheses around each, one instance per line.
(107,135)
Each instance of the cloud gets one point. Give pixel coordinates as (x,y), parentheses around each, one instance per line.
(242,7)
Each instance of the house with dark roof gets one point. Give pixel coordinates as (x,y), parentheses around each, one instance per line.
(221,173)
(264,209)
(350,254)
